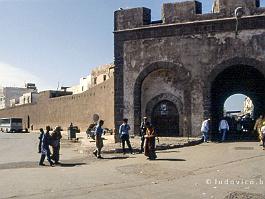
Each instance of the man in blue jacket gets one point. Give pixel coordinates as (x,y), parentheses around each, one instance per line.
(45,149)
(124,135)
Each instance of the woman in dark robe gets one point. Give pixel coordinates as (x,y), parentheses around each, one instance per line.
(149,149)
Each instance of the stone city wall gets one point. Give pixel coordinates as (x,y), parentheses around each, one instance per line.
(78,108)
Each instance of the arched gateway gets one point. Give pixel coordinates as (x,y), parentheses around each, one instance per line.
(178,73)
(166,113)
(158,93)
(237,75)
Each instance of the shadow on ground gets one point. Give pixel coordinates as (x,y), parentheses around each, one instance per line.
(165,151)
(71,164)
(170,159)
(117,158)
(19,165)
(25,165)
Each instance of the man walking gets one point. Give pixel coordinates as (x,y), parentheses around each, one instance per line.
(223,129)
(40,138)
(99,140)
(45,150)
(124,135)
(257,127)
(143,133)
(205,129)
(263,135)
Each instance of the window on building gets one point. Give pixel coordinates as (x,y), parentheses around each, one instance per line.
(82,88)
(95,80)
(104,77)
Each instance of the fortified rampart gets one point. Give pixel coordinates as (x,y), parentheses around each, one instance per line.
(183,67)
(79,108)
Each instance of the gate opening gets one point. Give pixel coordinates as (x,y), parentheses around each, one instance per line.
(237,79)
(239,113)
(165,119)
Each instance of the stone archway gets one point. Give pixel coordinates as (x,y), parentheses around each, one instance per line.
(184,78)
(218,68)
(235,76)
(175,116)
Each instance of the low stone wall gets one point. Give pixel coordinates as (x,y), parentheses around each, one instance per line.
(78,109)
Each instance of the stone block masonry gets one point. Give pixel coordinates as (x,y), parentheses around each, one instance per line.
(183,67)
(78,109)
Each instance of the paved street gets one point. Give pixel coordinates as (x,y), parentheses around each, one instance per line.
(204,171)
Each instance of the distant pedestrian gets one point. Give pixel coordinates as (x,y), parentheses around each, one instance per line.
(149,149)
(263,135)
(143,133)
(205,129)
(99,140)
(45,149)
(124,135)
(223,129)
(257,127)
(56,142)
(40,138)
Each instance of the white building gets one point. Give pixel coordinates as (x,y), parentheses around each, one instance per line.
(248,106)
(101,74)
(28,98)
(84,85)
(9,96)
(97,76)
(14,102)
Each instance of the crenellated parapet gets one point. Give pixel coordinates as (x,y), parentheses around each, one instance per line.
(227,7)
(177,12)
(132,18)
(186,11)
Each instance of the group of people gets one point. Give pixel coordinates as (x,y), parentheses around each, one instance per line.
(147,138)
(224,128)
(48,140)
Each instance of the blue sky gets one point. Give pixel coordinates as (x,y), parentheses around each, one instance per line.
(51,41)
(235,103)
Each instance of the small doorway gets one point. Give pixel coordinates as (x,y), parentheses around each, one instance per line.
(28,122)
(165,119)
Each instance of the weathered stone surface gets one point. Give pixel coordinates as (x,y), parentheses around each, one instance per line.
(186,60)
(131,18)
(180,11)
(227,7)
